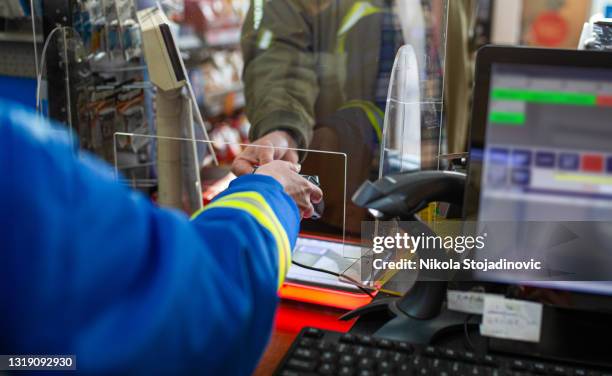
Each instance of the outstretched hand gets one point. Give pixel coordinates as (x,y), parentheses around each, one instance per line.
(278,145)
(301,190)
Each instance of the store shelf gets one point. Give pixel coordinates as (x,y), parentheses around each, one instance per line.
(228,100)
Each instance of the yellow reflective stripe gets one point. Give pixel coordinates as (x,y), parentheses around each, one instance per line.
(376,109)
(369,105)
(197,213)
(258,13)
(260,200)
(264,39)
(359,10)
(263,221)
(371,111)
(255,205)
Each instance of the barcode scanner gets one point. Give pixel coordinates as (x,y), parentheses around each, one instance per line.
(400,197)
(403,195)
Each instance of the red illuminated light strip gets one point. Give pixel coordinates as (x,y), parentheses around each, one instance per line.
(322,296)
(291,318)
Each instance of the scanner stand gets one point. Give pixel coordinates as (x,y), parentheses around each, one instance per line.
(417,316)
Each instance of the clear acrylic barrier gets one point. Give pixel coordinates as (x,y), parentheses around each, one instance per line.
(173,180)
(413,129)
(413,135)
(177,159)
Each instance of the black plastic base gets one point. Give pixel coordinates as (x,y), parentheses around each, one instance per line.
(409,329)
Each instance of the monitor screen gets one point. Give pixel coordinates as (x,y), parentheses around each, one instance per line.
(547,153)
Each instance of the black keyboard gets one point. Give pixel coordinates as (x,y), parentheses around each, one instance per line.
(321,352)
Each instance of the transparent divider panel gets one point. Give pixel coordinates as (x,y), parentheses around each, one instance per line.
(184,176)
(413,136)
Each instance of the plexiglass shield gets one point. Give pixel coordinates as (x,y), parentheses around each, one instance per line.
(184,176)
(413,131)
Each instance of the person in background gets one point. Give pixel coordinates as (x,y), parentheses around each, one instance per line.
(317,76)
(89,267)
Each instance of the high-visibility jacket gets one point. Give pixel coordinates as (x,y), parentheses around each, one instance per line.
(91,268)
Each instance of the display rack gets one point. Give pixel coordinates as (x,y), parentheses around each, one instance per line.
(102,68)
(96,78)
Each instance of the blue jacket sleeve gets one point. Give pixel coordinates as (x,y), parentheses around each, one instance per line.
(91,268)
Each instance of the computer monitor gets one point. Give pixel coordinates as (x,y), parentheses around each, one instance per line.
(541,143)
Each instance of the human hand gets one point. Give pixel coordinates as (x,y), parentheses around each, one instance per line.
(301,190)
(274,146)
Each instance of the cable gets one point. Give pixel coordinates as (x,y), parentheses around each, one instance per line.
(42,66)
(354,282)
